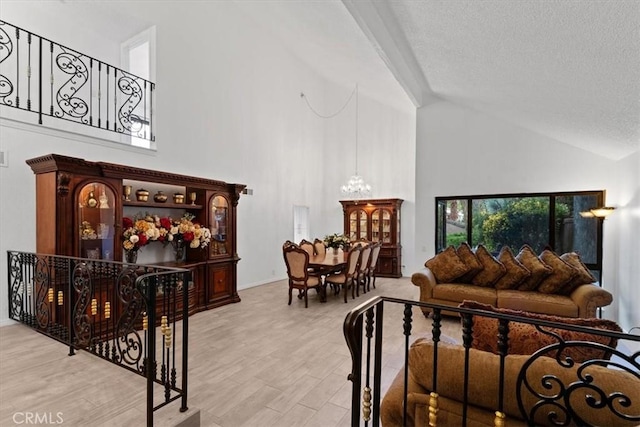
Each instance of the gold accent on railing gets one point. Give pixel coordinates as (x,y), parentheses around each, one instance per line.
(60,298)
(163,324)
(167,337)
(366,404)
(94,306)
(50,294)
(499,419)
(107,310)
(145,321)
(433,409)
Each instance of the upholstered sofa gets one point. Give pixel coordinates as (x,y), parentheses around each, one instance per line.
(483,387)
(546,284)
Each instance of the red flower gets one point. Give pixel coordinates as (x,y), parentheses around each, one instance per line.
(142,239)
(188,236)
(165,223)
(127,222)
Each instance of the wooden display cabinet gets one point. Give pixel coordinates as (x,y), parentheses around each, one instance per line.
(80,205)
(377,220)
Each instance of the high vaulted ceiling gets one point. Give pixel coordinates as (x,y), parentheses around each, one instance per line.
(566,69)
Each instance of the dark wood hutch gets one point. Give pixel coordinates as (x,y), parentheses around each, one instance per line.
(80,205)
(377,220)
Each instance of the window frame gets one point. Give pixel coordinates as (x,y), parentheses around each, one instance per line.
(440,234)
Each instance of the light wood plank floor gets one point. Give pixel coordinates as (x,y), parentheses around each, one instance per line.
(256,363)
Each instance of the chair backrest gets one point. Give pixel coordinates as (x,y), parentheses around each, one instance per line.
(375,252)
(297,261)
(353,257)
(308,247)
(287,244)
(320,248)
(364,259)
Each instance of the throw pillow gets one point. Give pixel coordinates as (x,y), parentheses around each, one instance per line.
(492,269)
(516,272)
(582,276)
(446,266)
(539,270)
(561,275)
(471,261)
(525,338)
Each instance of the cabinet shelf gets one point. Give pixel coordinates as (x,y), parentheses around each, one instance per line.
(188,206)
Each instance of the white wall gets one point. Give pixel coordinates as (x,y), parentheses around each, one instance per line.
(228,108)
(624,224)
(460,151)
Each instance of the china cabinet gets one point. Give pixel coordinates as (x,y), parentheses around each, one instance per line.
(80,207)
(377,220)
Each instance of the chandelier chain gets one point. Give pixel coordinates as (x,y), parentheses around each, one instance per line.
(330,116)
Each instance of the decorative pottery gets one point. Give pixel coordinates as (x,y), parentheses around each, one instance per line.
(142,195)
(178,198)
(131,256)
(160,197)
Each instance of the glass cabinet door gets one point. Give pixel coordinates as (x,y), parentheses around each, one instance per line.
(353,226)
(386,226)
(375,225)
(219,222)
(96,221)
(362,228)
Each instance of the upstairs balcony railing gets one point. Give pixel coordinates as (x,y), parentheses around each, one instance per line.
(133,316)
(566,382)
(41,76)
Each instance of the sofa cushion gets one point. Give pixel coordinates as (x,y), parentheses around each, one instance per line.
(536,302)
(492,269)
(447,265)
(459,292)
(561,275)
(583,275)
(516,272)
(471,261)
(525,338)
(539,270)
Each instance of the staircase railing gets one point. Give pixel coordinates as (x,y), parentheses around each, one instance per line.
(131,315)
(364,332)
(44,77)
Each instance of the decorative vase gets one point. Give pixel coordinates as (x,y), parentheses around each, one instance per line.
(131,256)
(179,248)
(335,251)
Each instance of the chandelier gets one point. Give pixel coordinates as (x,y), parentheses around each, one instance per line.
(356,188)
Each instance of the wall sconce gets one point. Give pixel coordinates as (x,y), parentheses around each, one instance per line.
(600,213)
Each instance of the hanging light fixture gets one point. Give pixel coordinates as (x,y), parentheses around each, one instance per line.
(356,188)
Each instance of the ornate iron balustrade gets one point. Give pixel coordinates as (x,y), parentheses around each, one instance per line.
(44,77)
(363,331)
(112,310)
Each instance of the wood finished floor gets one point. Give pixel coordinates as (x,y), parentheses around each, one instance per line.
(256,363)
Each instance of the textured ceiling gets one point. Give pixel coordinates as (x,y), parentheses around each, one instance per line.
(569,70)
(566,69)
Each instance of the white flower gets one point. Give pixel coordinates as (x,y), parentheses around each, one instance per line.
(134,238)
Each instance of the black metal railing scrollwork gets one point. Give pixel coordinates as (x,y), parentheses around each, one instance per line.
(133,316)
(61,83)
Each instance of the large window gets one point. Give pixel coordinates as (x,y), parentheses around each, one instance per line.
(540,220)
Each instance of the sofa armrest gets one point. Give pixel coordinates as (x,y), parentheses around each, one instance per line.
(426,281)
(589,297)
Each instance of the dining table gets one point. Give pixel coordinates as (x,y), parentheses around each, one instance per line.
(329,263)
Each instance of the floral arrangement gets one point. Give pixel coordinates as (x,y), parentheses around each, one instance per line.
(336,240)
(138,232)
(144,229)
(184,230)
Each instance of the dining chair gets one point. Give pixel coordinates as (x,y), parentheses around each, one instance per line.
(319,247)
(363,272)
(347,278)
(297,261)
(373,264)
(308,247)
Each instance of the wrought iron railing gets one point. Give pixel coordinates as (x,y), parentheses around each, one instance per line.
(44,77)
(558,403)
(131,315)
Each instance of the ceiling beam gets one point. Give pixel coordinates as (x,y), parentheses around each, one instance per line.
(378,23)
